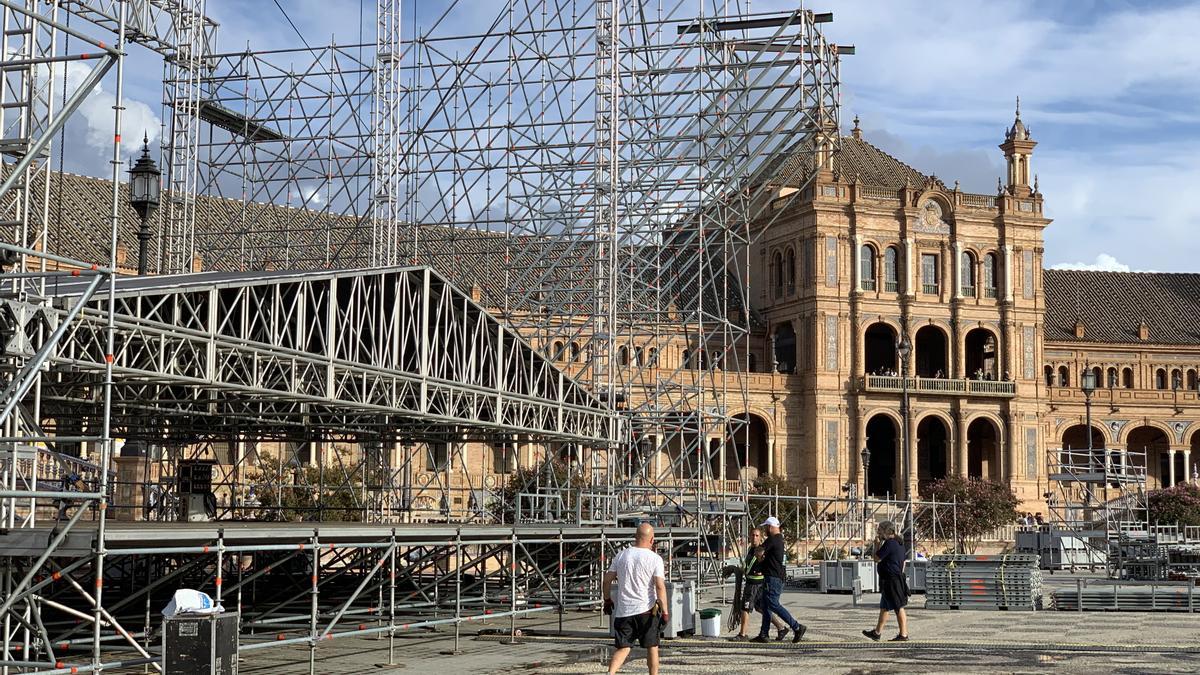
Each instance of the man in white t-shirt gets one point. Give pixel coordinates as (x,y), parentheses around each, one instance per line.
(641,583)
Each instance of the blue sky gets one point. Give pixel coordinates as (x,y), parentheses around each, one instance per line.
(1109,89)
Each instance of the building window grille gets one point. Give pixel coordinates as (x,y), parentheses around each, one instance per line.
(891,270)
(989,275)
(967,274)
(866,266)
(929,274)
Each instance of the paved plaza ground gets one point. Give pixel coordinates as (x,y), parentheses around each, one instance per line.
(942,642)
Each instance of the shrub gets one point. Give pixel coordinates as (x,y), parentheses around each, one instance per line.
(1176,505)
(983,505)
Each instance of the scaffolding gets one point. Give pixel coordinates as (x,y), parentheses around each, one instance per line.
(410,246)
(1098,498)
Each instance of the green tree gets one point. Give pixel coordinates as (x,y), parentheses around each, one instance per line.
(792,521)
(1176,505)
(292,493)
(983,505)
(553,475)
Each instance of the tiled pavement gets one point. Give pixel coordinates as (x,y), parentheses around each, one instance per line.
(943,642)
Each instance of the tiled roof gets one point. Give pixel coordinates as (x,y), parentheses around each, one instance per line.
(283,237)
(857,158)
(1112,304)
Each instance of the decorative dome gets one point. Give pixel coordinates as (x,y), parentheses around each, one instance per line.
(1018,132)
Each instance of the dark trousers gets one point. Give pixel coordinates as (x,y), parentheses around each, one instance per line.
(773,587)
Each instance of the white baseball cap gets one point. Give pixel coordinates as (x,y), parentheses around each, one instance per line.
(771,522)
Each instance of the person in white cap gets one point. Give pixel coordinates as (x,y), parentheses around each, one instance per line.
(772,569)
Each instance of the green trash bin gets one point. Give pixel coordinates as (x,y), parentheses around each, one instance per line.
(710,622)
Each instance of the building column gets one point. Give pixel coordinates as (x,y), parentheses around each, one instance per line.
(912,453)
(1170,468)
(960,455)
(1012,449)
(770,457)
(1187,464)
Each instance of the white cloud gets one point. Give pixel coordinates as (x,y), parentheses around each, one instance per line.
(312,194)
(1104,263)
(96,111)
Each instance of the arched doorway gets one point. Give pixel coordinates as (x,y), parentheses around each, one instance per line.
(1075,444)
(983,449)
(1076,437)
(785,348)
(981,353)
(931,352)
(881,441)
(1157,448)
(879,349)
(933,450)
(747,448)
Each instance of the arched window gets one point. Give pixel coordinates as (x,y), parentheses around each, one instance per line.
(989,275)
(891,269)
(789,267)
(1191,378)
(777,268)
(687,358)
(1049,370)
(753,362)
(1127,378)
(574,352)
(623,356)
(866,267)
(966,279)
(1064,376)
(1111,379)
(558,350)
(1176,379)
(652,357)
(1160,378)
(638,354)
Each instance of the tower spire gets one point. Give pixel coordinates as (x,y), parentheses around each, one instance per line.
(1018,147)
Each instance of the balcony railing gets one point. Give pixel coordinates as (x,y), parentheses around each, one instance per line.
(930,385)
(930,289)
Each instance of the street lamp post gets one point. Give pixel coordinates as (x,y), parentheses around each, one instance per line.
(903,349)
(144,192)
(866,464)
(1087,382)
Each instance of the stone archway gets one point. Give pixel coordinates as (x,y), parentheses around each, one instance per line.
(879,349)
(933,450)
(747,448)
(932,352)
(882,441)
(983,449)
(980,355)
(785,348)
(1156,446)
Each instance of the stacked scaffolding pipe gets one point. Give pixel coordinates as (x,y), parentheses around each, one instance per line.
(987,582)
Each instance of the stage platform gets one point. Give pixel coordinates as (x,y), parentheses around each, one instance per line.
(122,538)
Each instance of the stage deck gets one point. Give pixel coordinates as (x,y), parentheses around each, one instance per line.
(140,537)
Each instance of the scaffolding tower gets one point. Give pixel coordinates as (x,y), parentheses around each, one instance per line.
(1098,497)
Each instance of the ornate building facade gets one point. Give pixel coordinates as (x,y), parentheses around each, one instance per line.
(875,254)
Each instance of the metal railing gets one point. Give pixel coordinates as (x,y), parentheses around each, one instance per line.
(934,385)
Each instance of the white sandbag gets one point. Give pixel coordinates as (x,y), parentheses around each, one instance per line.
(188,601)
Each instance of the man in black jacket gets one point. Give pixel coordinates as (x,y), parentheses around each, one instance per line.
(772,569)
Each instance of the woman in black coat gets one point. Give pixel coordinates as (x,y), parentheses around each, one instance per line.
(893,586)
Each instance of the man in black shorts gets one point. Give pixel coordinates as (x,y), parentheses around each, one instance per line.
(640,604)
